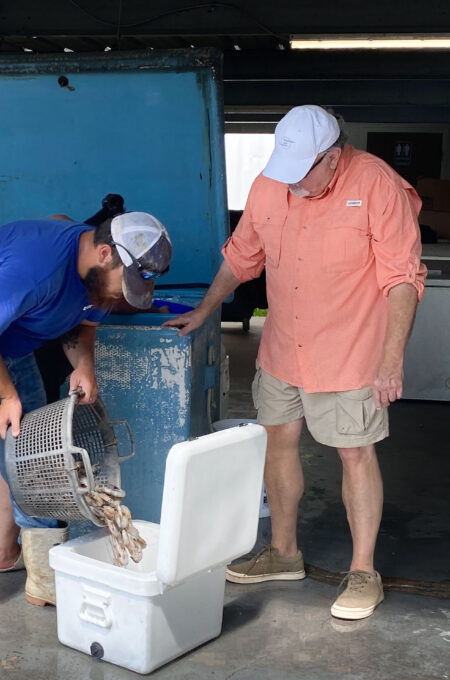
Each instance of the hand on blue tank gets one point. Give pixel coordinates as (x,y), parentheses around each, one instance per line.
(187,322)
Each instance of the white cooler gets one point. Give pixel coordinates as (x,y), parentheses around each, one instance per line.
(142,616)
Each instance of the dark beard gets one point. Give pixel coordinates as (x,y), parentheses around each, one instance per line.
(96,283)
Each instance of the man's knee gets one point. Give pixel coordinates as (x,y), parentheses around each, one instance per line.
(357,454)
(284,436)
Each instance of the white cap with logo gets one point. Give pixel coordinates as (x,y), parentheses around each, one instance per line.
(303,133)
(145,249)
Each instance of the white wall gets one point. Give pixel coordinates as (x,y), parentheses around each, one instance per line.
(245,155)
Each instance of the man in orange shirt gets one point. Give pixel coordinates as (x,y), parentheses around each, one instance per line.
(336,229)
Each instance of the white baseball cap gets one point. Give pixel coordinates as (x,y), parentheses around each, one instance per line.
(303,133)
(145,249)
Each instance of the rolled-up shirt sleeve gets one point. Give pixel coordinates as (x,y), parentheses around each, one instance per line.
(243,251)
(396,239)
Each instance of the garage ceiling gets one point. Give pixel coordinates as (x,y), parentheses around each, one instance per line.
(263,77)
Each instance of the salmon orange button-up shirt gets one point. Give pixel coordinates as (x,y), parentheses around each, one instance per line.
(330,263)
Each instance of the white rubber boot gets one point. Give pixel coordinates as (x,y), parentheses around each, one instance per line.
(40,584)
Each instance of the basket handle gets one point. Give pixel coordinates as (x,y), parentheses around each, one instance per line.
(122,459)
(76,394)
(87,466)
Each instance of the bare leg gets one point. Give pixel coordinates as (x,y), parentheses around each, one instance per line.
(284,484)
(362,493)
(9,531)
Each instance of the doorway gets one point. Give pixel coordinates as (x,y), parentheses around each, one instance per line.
(411,154)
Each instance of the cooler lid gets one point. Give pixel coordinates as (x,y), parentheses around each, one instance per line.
(211,499)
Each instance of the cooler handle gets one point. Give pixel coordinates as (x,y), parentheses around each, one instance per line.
(95,607)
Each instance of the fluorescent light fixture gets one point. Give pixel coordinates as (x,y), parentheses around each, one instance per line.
(370,42)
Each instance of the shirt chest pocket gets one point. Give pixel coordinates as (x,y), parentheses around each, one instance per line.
(270,238)
(345,249)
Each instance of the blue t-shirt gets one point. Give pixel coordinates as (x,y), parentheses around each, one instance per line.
(41,293)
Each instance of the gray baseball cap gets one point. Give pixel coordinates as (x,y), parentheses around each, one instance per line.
(145,249)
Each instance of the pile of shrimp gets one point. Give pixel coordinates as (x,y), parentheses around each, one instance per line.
(106,503)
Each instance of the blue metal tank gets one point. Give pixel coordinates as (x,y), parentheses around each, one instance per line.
(167,388)
(150,127)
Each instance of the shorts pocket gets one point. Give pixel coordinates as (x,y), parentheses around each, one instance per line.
(356,413)
(255,388)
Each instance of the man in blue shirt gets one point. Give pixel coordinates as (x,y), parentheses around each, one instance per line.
(58,276)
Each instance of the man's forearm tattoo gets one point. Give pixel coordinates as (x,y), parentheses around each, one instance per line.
(70,339)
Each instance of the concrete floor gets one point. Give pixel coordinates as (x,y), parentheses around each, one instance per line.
(284,631)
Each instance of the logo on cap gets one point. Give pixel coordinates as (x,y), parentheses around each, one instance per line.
(286,142)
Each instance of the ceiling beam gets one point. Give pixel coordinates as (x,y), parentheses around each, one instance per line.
(239,119)
(333,93)
(240,17)
(261,65)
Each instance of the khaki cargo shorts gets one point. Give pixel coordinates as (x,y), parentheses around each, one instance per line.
(340,419)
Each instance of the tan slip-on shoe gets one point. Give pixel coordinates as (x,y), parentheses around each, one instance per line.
(267,565)
(363,592)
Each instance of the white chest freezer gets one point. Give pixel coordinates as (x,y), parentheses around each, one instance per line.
(427,355)
(142,616)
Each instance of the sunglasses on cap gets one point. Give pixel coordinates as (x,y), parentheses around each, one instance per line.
(144,273)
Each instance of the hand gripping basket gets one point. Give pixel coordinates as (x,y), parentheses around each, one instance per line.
(58,446)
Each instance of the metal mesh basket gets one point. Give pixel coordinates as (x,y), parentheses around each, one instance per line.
(43,463)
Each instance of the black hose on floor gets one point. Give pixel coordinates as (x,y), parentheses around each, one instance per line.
(439,589)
